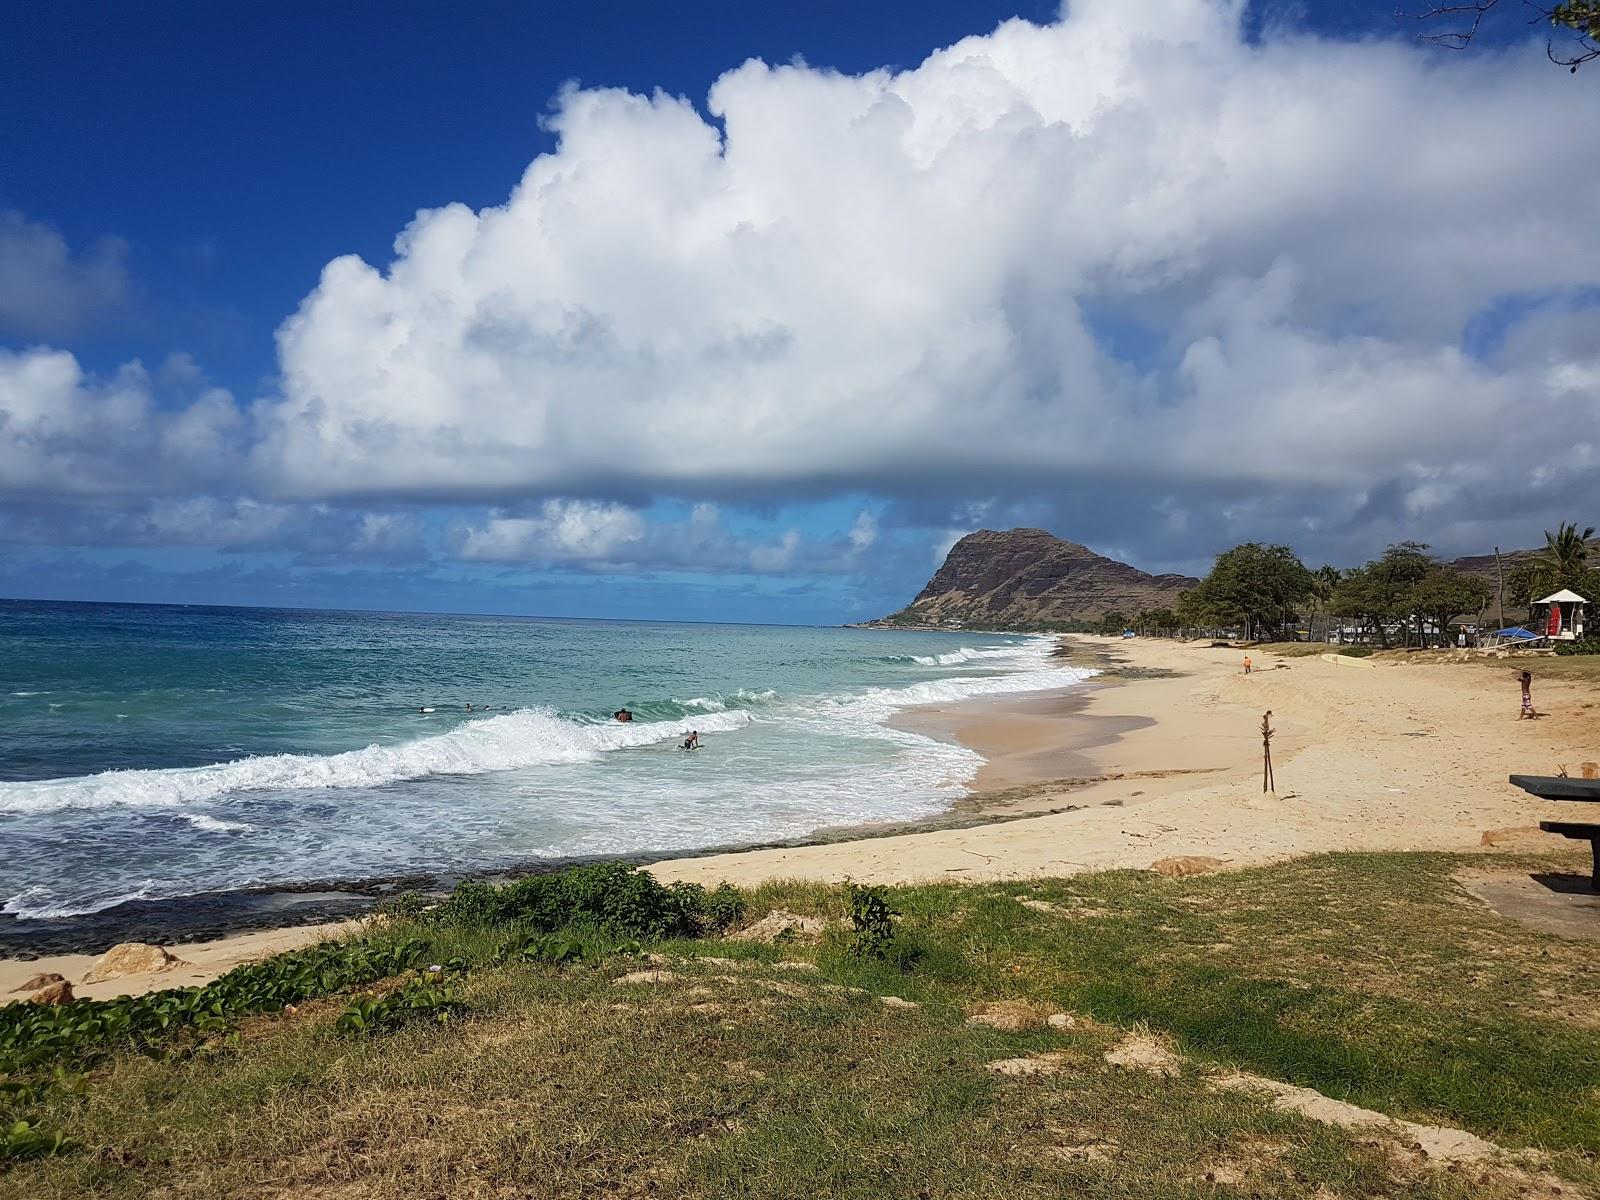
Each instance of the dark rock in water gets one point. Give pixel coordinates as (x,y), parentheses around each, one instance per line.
(1027,577)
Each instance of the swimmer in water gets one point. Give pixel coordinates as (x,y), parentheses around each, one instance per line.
(692,742)
(424,710)
(623,714)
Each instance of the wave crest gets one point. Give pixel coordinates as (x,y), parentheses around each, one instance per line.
(525,738)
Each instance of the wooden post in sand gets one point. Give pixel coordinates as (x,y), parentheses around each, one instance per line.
(1268,784)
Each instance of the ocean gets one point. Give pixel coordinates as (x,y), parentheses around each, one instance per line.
(154,752)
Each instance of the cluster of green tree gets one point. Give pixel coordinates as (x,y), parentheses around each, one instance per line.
(1146,622)
(1263,592)
(1406,589)
(1255,589)
(1565,562)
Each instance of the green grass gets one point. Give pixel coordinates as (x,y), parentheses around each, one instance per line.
(1371,978)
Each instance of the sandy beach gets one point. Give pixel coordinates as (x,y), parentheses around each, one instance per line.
(1160,756)
(1369,755)
(198,962)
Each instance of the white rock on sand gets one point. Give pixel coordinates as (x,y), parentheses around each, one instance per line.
(132,958)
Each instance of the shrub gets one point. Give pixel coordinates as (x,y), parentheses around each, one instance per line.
(1584,645)
(611,897)
(872,920)
(423,998)
(407,906)
(23,1140)
(36,1036)
(724,908)
(542,948)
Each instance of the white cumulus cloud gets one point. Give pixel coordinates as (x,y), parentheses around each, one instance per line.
(1131,256)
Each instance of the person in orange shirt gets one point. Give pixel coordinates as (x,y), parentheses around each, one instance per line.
(1247,664)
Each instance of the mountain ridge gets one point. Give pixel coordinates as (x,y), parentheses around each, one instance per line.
(1030,578)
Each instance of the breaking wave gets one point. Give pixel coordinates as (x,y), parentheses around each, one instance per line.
(526,738)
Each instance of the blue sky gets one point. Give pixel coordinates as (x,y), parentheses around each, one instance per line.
(758,343)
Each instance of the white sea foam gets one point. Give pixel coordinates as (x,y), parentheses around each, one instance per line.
(41,903)
(216,825)
(526,738)
(1035,671)
(969,654)
(705,704)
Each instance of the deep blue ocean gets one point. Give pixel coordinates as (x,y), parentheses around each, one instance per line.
(152,752)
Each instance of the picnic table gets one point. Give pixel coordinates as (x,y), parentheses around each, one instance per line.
(1560,787)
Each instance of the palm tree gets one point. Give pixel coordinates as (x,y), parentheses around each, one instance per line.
(1323,580)
(1566,552)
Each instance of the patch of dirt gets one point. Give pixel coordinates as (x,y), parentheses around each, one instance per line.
(1436,1142)
(794,965)
(1141,1052)
(1033,1064)
(1010,1015)
(780,922)
(783,989)
(1081,1146)
(1252,1159)
(654,977)
(1181,866)
(897,1002)
(739,1069)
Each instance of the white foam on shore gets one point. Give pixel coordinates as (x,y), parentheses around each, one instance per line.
(41,903)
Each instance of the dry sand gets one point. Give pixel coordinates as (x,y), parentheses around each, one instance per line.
(1368,756)
(201,962)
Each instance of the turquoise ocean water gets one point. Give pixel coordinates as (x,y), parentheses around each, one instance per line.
(152,752)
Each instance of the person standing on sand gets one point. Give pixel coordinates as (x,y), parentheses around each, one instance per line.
(1247,664)
(1526,679)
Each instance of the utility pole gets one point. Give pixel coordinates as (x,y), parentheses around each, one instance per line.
(1500,587)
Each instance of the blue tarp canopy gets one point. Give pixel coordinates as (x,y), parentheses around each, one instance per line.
(1516,632)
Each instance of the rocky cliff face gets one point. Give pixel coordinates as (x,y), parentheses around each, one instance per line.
(1025,577)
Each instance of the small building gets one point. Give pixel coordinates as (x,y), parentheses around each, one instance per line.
(1562,615)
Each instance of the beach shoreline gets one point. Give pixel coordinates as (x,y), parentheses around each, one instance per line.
(1158,756)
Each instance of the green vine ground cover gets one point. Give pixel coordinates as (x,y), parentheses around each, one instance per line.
(1373,978)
